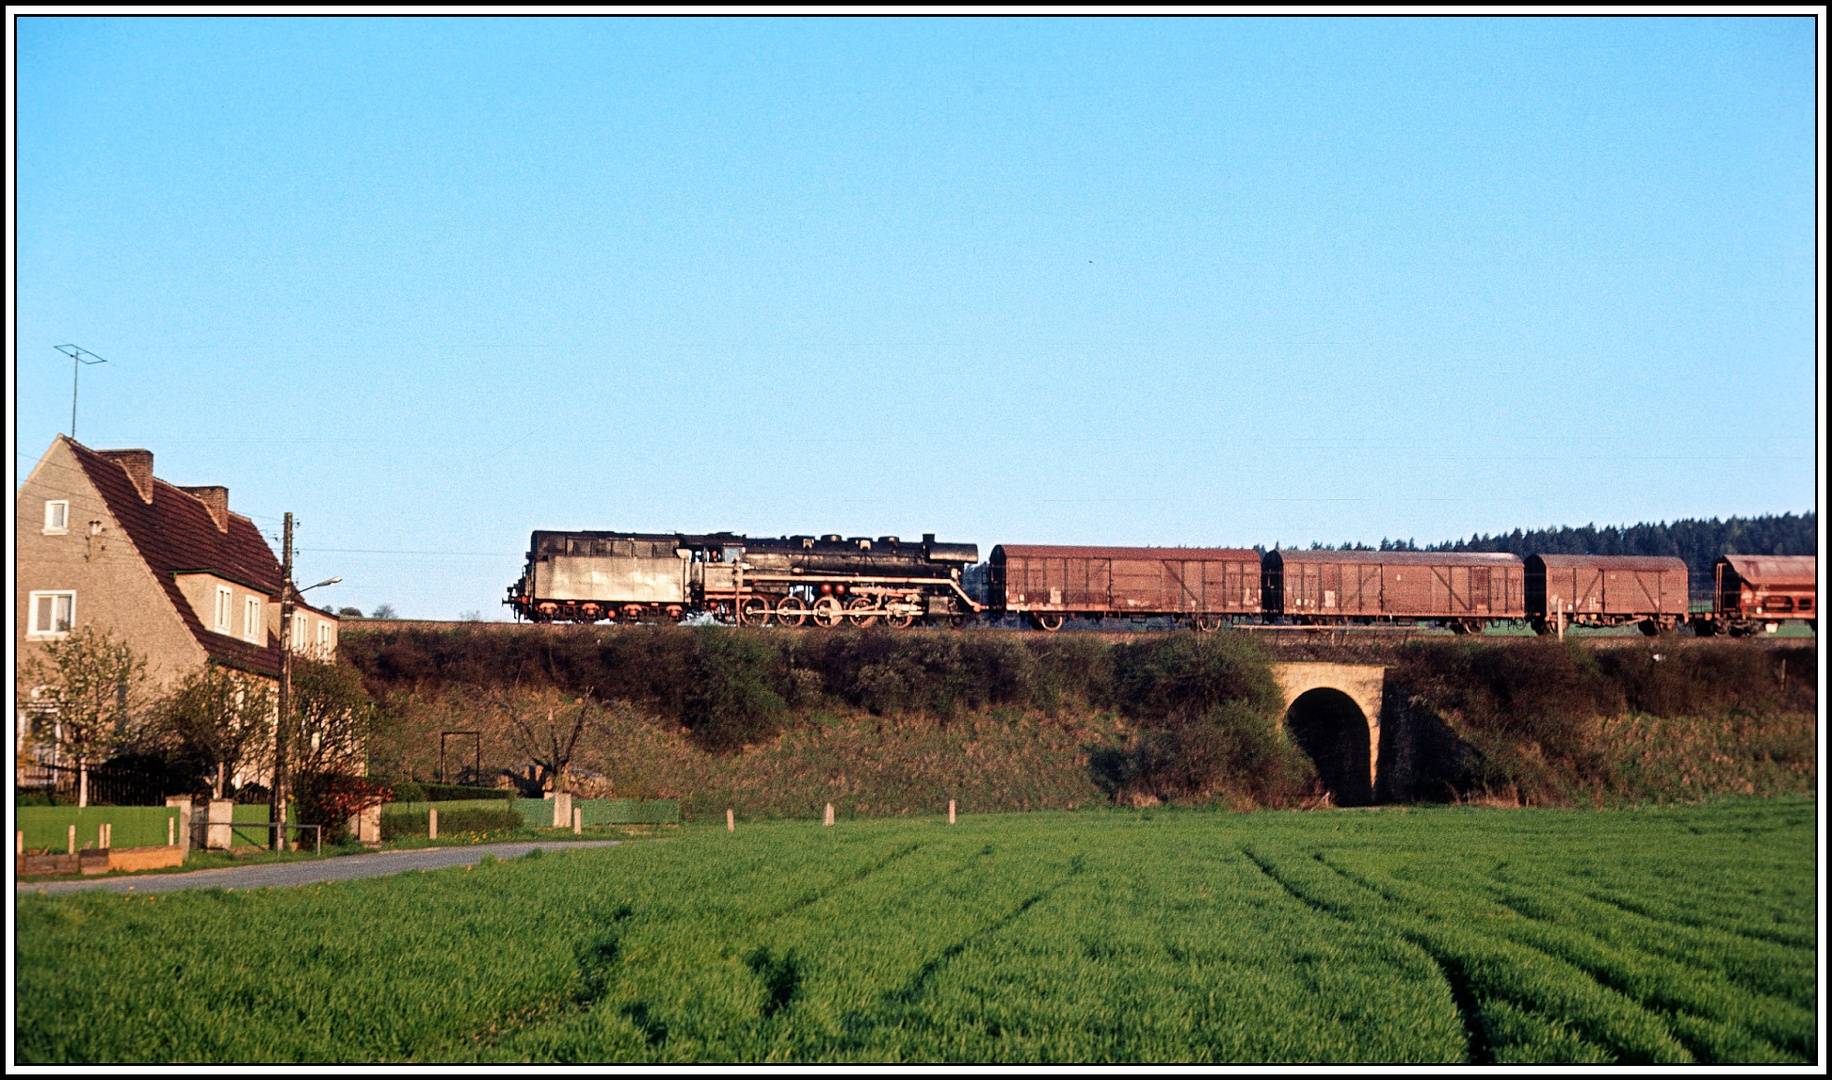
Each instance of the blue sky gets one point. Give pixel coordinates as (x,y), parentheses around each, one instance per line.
(431,285)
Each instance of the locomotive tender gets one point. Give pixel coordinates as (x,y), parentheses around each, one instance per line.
(828,580)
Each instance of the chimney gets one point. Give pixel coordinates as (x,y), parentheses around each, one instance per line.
(216,500)
(139,466)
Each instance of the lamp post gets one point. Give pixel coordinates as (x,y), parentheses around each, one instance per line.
(277,796)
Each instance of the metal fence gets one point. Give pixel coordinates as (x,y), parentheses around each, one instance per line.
(109,785)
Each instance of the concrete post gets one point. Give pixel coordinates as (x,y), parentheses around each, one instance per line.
(950,811)
(220,813)
(578,820)
(369,825)
(72,839)
(731,825)
(827,819)
(183,806)
(19,842)
(432,823)
(562,809)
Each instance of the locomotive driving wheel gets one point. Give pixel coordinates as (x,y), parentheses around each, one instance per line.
(861,603)
(792,611)
(828,613)
(899,622)
(754,611)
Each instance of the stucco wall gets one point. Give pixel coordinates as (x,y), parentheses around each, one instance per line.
(115,589)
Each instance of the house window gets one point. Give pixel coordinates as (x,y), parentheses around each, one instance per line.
(53,613)
(253,624)
(298,632)
(324,638)
(225,607)
(57,516)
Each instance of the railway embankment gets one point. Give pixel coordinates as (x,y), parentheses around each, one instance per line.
(883,723)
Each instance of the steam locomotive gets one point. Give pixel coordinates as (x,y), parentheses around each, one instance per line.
(829,580)
(789,581)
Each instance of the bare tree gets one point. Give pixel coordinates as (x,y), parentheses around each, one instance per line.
(546,727)
(221,716)
(88,691)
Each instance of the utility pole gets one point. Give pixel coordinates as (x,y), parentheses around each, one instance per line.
(78,357)
(277,813)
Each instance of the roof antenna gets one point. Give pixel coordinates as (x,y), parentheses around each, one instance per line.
(77,353)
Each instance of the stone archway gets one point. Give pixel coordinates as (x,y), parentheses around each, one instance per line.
(1329,727)
(1332,711)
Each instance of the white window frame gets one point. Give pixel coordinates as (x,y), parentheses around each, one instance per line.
(35,630)
(57,508)
(225,609)
(324,637)
(298,631)
(254,619)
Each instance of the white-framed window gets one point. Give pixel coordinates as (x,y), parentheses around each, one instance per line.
(57,516)
(324,638)
(225,609)
(53,613)
(298,631)
(254,624)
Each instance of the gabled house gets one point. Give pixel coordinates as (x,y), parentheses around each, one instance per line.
(100,541)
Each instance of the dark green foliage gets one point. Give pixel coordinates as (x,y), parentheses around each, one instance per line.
(1184,675)
(886,672)
(733,699)
(1208,710)
(1711,679)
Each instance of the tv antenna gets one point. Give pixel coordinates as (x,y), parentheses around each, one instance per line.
(80,357)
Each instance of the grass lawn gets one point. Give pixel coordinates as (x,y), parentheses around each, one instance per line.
(1438,934)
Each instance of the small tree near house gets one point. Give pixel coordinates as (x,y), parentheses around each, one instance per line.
(220,717)
(87,692)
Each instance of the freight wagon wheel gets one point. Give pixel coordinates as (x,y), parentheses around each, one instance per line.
(862,603)
(1649,628)
(754,611)
(1051,622)
(1208,624)
(793,611)
(827,612)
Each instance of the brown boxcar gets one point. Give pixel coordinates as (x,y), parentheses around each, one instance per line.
(1463,590)
(1047,584)
(1606,590)
(1755,590)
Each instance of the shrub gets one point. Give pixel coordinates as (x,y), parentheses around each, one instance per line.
(1208,709)
(333,798)
(733,700)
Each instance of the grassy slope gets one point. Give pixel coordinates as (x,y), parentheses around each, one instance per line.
(1444,934)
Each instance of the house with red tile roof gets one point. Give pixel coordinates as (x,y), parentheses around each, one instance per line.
(100,541)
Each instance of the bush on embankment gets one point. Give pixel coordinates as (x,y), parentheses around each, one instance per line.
(1550,722)
(876,721)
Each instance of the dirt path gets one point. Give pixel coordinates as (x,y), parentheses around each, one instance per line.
(339,868)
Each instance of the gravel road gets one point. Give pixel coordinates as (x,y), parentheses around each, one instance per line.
(339,868)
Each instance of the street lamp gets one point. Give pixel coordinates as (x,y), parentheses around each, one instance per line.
(277,795)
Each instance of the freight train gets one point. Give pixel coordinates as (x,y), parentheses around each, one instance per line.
(828,580)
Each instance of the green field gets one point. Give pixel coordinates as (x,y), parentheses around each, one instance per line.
(1442,934)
